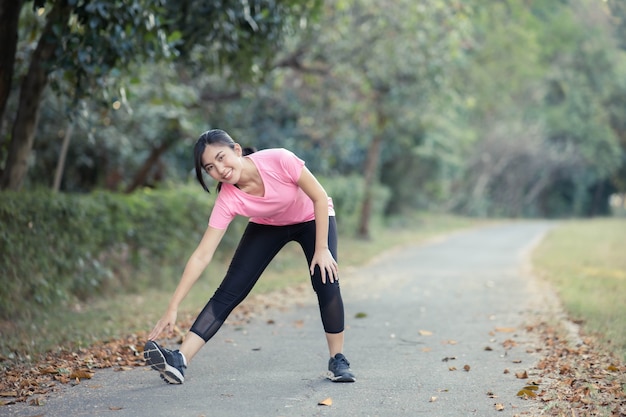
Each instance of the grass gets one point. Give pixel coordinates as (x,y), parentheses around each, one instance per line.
(80,325)
(585,261)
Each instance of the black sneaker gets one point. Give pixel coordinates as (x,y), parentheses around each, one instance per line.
(340,368)
(169,363)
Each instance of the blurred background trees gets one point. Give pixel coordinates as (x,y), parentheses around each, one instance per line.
(508,108)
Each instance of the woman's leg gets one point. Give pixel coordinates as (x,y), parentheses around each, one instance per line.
(328,294)
(335,343)
(258,246)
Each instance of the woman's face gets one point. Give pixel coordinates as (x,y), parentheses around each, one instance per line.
(223,163)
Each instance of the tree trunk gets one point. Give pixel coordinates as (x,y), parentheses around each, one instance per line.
(31,92)
(9,18)
(371,174)
(142,175)
(58,175)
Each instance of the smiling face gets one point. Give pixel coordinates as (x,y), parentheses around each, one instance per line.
(223,163)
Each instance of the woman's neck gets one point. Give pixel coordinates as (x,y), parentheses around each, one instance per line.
(250,181)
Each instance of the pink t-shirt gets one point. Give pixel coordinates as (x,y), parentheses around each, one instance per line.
(284,201)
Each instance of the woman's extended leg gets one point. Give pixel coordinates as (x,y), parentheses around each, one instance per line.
(258,246)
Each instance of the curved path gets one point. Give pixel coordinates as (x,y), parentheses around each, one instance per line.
(425,313)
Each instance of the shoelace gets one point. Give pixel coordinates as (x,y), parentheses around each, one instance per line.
(341,363)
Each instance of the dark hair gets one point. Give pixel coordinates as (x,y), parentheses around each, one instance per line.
(212,137)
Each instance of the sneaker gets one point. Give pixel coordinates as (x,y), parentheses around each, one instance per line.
(340,368)
(169,363)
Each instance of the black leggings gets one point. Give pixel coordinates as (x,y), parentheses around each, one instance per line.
(258,246)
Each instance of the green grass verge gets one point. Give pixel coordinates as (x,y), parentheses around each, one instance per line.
(124,314)
(585,261)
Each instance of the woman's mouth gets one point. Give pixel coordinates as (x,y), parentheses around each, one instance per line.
(227,174)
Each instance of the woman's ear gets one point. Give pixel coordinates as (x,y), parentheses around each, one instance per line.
(238,149)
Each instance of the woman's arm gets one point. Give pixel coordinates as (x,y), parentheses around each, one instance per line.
(196,264)
(322,257)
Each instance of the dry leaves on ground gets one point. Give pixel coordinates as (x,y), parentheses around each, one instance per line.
(21,382)
(576,380)
(34,380)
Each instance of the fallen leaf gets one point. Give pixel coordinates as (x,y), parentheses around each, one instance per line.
(448,358)
(425,333)
(328,402)
(8,394)
(432,399)
(37,401)
(521,374)
(488,348)
(466,368)
(49,370)
(81,374)
(360,315)
(499,406)
(113,408)
(452,368)
(505,329)
(491,394)
(526,393)
(508,344)
(426,349)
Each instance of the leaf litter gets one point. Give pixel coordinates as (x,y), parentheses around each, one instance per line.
(31,381)
(581,380)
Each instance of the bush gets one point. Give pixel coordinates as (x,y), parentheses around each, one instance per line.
(347,194)
(57,248)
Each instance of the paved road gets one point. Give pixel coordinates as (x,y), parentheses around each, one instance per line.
(448,299)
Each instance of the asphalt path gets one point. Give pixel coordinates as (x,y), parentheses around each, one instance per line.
(436,329)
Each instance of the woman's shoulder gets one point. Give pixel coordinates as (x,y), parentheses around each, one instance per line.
(278,160)
(271,153)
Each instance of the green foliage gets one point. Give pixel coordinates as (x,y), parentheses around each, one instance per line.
(56,247)
(234,38)
(347,194)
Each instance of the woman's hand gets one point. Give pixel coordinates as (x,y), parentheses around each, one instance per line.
(166,322)
(327,264)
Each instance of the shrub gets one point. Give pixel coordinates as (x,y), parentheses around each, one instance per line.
(56,248)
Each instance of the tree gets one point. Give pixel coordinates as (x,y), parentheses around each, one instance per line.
(72,41)
(92,43)
(382,62)
(9,16)
(540,78)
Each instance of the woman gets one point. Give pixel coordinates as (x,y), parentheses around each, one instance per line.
(285,203)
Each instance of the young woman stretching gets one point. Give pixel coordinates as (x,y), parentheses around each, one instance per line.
(285,203)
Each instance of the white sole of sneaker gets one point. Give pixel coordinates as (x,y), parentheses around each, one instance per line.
(333,378)
(156,360)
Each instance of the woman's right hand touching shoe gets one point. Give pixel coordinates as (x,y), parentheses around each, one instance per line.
(166,322)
